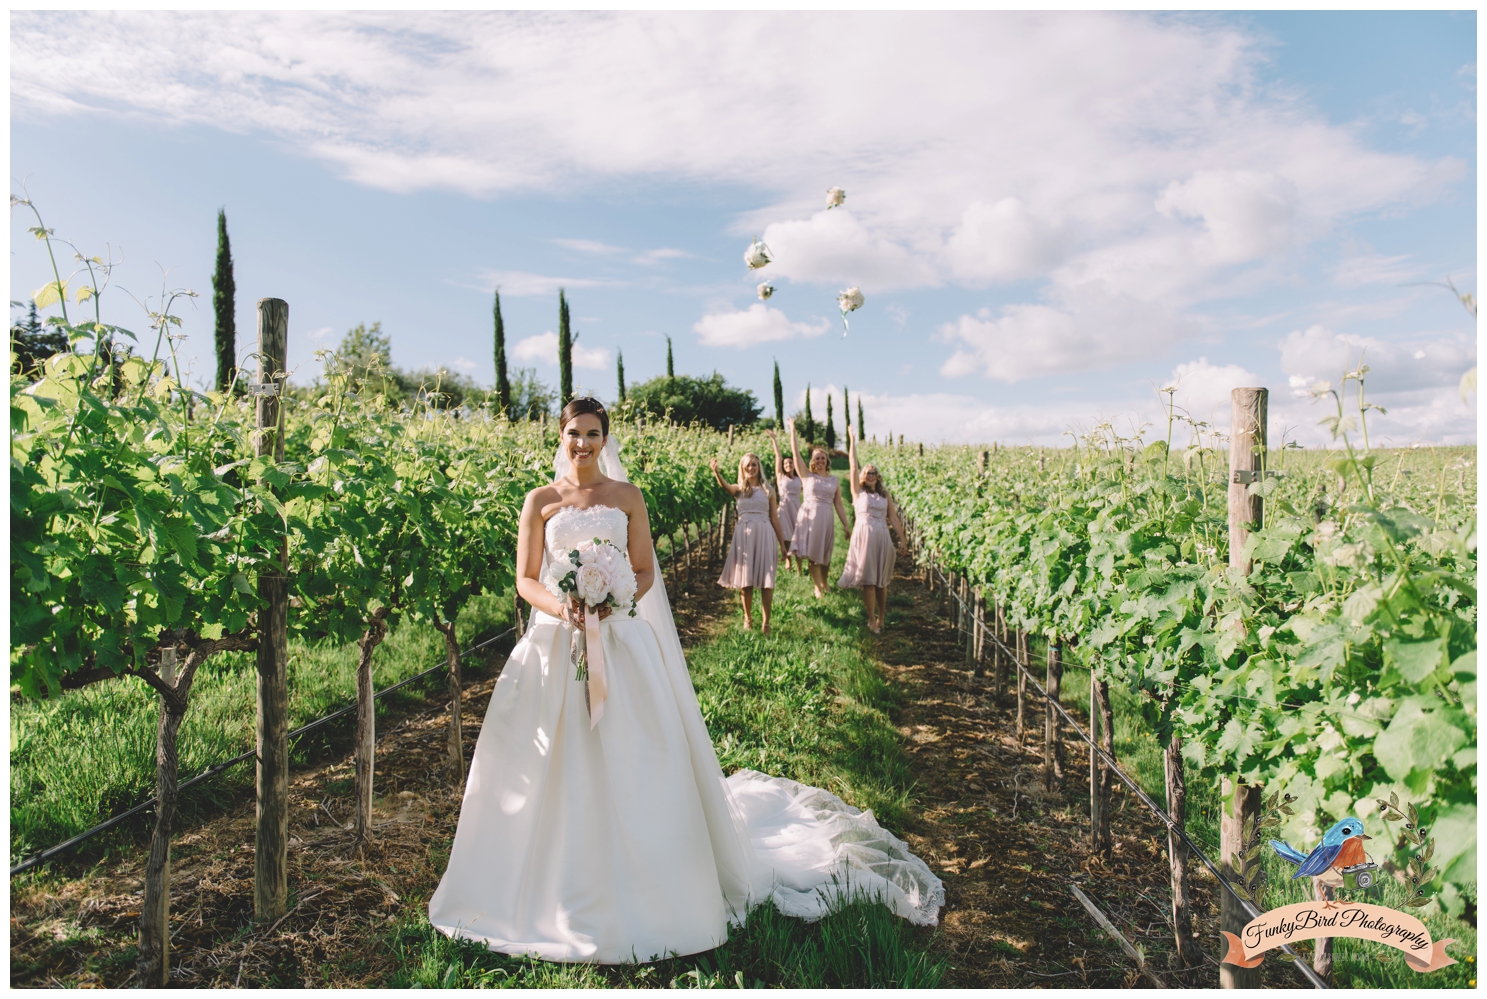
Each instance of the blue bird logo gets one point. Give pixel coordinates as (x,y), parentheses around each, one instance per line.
(1341,847)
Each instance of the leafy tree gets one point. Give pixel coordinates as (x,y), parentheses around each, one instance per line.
(31,343)
(861,433)
(530,396)
(779,397)
(503,383)
(670,365)
(365,355)
(830,426)
(224,303)
(565,352)
(710,401)
(620,371)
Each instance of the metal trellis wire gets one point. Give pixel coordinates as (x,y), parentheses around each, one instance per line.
(36,860)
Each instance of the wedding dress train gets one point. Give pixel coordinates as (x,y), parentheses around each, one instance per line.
(625,842)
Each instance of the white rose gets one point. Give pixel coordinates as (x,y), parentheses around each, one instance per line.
(587,555)
(757,255)
(592,584)
(834,197)
(765,290)
(849,300)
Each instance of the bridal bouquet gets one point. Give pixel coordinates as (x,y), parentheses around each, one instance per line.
(598,574)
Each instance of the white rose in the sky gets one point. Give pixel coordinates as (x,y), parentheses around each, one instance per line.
(834,197)
(765,290)
(849,300)
(757,255)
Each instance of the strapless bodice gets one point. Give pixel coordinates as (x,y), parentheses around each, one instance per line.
(570,525)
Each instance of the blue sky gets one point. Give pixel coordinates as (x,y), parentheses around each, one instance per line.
(1049,215)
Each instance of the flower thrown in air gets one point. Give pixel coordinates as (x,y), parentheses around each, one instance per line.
(765,290)
(757,255)
(834,196)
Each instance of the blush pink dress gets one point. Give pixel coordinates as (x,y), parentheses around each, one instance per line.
(870,554)
(755,553)
(815,526)
(789,504)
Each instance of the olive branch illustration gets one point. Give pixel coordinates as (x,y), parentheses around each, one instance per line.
(1417,871)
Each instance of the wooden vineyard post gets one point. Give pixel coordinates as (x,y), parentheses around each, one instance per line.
(1241,803)
(1246,466)
(456,689)
(979,619)
(154,924)
(366,722)
(1246,511)
(1001,663)
(1322,948)
(1053,768)
(1094,765)
(271,728)
(1188,952)
(1107,775)
(1022,664)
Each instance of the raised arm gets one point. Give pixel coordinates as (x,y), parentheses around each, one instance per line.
(800,469)
(731,487)
(779,463)
(854,473)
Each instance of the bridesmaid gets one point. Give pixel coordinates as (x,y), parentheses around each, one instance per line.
(815,534)
(755,554)
(870,554)
(788,484)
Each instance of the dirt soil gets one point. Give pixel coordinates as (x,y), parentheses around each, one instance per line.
(1006,848)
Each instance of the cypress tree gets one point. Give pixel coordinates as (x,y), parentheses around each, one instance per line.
(224,304)
(810,421)
(620,370)
(846,408)
(830,428)
(503,381)
(861,431)
(565,352)
(779,397)
(670,365)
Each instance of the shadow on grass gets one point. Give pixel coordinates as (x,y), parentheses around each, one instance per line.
(860,945)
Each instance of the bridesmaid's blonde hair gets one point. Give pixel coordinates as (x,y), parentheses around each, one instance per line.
(744,487)
(878,486)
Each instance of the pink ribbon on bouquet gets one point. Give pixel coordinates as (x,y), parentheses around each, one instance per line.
(598,689)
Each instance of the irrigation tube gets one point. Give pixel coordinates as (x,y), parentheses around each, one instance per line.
(1254,913)
(67,844)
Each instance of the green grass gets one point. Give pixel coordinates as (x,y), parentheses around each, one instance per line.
(90,753)
(860,945)
(1356,963)
(806,702)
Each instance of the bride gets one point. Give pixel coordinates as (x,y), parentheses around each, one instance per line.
(614,837)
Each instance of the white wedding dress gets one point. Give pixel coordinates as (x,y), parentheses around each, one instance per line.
(625,843)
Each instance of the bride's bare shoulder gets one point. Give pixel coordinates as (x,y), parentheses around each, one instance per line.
(541,498)
(628,497)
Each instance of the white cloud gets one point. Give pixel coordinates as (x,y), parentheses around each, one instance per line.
(834,246)
(1374,268)
(645,258)
(464,365)
(543,349)
(1203,389)
(1246,214)
(1002,242)
(1318,354)
(756,324)
(521,284)
(1092,329)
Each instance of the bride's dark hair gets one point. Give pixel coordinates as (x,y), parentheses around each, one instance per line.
(580,406)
